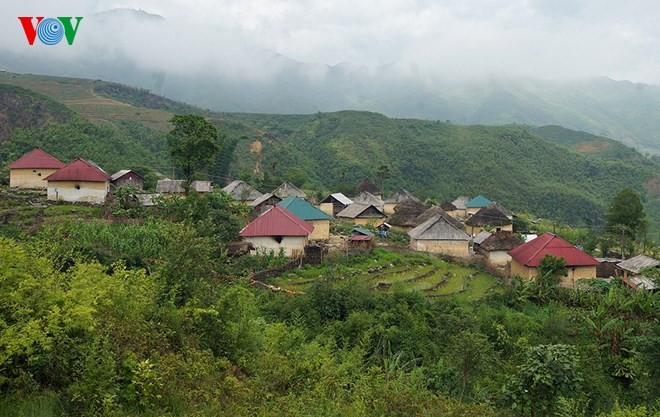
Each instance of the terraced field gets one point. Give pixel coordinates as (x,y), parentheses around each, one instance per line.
(386,271)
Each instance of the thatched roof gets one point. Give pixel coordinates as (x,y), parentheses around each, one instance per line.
(508,213)
(437,228)
(365,184)
(365,197)
(264,198)
(356,210)
(405,214)
(287,189)
(241,191)
(436,210)
(488,216)
(401,195)
(447,206)
(501,241)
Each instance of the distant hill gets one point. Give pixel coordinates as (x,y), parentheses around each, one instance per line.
(551,171)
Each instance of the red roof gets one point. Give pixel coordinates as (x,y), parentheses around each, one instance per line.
(277,222)
(79,170)
(531,253)
(36,159)
(359,237)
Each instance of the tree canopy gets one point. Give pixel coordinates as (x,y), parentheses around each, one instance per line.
(627,210)
(192,143)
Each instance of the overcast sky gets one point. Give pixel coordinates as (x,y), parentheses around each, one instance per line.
(552,39)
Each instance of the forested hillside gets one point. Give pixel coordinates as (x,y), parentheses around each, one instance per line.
(550,171)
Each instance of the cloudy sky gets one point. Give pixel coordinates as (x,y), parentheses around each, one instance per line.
(553,39)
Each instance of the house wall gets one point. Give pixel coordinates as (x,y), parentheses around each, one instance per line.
(321,229)
(455,213)
(447,247)
(293,245)
(574,273)
(389,208)
(404,229)
(88,192)
(133,180)
(29,178)
(472,210)
(362,221)
(498,258)
(475,230)
(327,208)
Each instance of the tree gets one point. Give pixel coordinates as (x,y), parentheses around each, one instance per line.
(192,143)
(627,211)
(471,354)
(550,269)
(549,372)
(383,173)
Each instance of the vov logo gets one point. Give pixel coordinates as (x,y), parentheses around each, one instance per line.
(50,31)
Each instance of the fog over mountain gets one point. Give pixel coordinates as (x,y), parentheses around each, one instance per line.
(536,62)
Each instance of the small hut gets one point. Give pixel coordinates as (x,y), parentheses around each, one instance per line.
(400,196)
(632,270)
(488,217)
(450,208)
(242,191)
(127,177)
(365,197)
(361,240)
(461,206)
(334,203)
(476,204)
(405,215)
(287,189)
(361,214)
(168,186)
(495,248)
(264,203)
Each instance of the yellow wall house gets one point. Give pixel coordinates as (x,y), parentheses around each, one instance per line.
(79,181)
(489,217)
(438,235)
(526,258)
(30,170)
(310,214)
(361,214)
(278,230)
(400,196)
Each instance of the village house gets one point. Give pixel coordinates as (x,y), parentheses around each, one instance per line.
(607,267)
(438,235)
(461,206)
(365,184)
(79,181)
(334,203)
(495,248)
(127,177)
(287,189)
(309,213)
(242,191)
(526,258)
(278,230)
(264,203)
(488,218)
(365,197)
(29,170)
(361,214)
(632,271)
(476,204)
(168,186)
(361,240)
(508,213)
(400,196)
(405,215)
(436,210)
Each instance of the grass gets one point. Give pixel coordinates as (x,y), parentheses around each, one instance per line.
(389,271)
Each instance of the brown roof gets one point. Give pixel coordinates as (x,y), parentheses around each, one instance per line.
(241,191)
(508,213)
(287,189)
(401,195)
(405,214)
(447,206)
(488,215)
(79,170)
(357,210)
(36,159)
(365,197)
(436,210)
(504,241)
(637,263)
(365,184)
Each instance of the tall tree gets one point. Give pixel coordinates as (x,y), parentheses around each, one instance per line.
(627,211)
(192,143)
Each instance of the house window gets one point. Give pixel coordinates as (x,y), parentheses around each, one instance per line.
(39,174)
(278,239)
(77,186)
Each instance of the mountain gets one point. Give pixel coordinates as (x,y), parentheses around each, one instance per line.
(551,171)
(224,76)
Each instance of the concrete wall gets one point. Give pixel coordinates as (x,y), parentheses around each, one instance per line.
(29,178)
(447,247)
(321,229)
(78,191)
(292,245)
(326,208)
